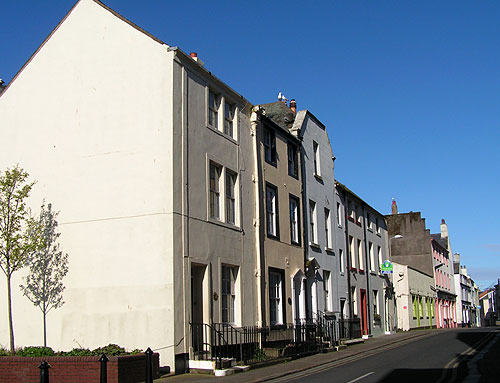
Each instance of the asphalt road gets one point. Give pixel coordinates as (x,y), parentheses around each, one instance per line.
(439,358)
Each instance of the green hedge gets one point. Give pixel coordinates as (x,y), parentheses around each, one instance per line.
(37,351)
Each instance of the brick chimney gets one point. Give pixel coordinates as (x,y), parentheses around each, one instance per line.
(394,207)
(444,229)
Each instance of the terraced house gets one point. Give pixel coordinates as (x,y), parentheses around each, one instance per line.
(154,181)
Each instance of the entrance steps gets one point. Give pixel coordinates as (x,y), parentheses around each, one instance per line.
(228,367)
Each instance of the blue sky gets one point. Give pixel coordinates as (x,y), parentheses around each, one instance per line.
(409,91)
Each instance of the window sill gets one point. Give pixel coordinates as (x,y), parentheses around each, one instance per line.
(222,134)
(361,271)
(224,224)
(358,223)
(295,244)
(271,236)
(318,177)
(370,229)
(350,219)
(353,269)
(379,235)
(330,250)
(314,245)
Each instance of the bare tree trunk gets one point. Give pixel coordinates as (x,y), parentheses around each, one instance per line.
(44,328)
(11,327)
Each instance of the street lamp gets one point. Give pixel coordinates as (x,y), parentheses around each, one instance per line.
(397,236)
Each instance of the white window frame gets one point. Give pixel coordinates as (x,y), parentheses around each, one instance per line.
(339,214)
(313,223)
(376,303)
(327,286)
(380,258)
(229,118)
(328,229)
(360,255)
(294,220)
(229,275)
(354,299)
(352,252)
(231,196)
(215,177)
(342,261)
(275,298)
(272,223)
(316,157)
(213,109)
(372,257)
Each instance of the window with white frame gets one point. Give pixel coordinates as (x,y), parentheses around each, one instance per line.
(326,290)
(228,293)
(228,119)
(272,211)
(375,303)
(294,220)
(377,226)
(328,229)
(358,214)
(313,222)
(380,260)
(293,160)
(215,175)
(343,308)
(275,298)
(270,146)
(352,251)
(230,197)
(341,260)
(354,300)
(339,214)
(372,256)
(369,222)
(213,109)
(316,158)
(360,255)
(350,209)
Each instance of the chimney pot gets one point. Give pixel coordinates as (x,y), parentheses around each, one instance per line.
(293,105)
(394,207)
(442,221)
(193,54)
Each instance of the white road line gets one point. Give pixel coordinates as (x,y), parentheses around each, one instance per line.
(361,377)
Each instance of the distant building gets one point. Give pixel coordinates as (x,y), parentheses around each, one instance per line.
(487,300)
(365,245)
(429,255)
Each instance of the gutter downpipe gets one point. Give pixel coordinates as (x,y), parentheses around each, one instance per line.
(368,273)
(348,256)
(254,122)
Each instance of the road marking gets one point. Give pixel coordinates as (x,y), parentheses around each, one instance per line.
(361,377)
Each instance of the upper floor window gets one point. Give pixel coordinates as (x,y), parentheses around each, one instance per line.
(369,222)
(293,160)
(270,146)
(380,260)
(326,290)
(360,255)
(328,229)
(339,214)
(272,211)
(228,119)
(215,174)
(313,222)
(317,167)
(294,220)
(230,197)
(372,256)
(350,209)
(341,260)
(213,110)
(352,252)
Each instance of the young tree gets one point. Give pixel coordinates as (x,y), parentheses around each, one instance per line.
(48,266)
(20,234)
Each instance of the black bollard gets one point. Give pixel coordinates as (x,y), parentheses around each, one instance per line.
(104,369)
(149,365)
(44,372)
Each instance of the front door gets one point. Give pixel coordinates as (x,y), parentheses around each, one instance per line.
(364,320)
(197,309)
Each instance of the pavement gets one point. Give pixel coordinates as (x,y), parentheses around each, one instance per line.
(485,362)
(264,374)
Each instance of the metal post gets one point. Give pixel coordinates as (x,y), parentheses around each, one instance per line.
(104,369)
(44,372)
(149,365)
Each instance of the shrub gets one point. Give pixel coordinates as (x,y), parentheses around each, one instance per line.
(35,351)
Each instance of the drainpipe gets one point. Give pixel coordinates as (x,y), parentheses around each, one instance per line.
(254,122)
(368,273)
(348,257)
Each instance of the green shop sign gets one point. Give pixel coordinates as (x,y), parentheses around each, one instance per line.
(386,267)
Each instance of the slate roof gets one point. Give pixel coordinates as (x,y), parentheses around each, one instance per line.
(280,113)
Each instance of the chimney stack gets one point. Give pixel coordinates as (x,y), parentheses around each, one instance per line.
(293,105)
(394,207)
(444,229)
(195,57)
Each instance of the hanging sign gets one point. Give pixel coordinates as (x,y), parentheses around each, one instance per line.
(386,267)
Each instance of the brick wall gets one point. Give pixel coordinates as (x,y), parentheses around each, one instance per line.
(76,369)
